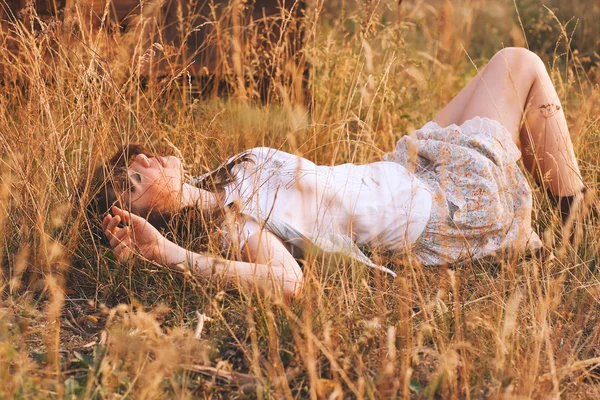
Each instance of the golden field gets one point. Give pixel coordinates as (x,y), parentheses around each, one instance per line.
(336,81)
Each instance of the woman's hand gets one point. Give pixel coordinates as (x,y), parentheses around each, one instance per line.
(138,236)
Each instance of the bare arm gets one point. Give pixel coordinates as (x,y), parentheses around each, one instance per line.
(264,248)
(267,263)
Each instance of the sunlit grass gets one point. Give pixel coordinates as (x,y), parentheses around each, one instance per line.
(75,322)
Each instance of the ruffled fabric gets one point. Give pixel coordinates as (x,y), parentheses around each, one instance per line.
(482,202)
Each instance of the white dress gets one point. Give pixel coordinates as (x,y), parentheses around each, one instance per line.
(450,194)
(380,204)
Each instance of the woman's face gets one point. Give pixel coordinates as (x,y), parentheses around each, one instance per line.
(155,183)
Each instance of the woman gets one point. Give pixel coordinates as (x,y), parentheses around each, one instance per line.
(450,192)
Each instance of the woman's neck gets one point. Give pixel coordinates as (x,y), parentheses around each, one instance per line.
(200,198)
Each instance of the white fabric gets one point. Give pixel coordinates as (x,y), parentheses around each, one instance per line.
(377,204)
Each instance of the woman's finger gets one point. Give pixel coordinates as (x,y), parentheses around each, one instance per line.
(105,221)
(130,218)
(123,251)
(118,237)
(114,221)
(125,215)
(111,227)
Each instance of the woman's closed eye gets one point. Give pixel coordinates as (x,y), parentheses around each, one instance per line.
(135,179)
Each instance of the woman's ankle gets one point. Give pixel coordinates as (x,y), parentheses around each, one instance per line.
(566,204)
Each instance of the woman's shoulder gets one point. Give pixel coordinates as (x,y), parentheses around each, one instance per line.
(253,154)
(255,160)
(270,157)
(266,153)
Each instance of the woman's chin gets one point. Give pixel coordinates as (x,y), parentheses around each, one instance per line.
(174,162)
(188,196)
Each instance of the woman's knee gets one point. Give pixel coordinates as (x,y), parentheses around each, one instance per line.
(520,54)
(520,60)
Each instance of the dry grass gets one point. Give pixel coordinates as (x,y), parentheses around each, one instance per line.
(74,323)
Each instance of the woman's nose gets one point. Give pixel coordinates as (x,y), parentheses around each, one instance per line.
(142,158)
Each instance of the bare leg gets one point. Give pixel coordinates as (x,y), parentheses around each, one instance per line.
(516,90)
(452,113)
